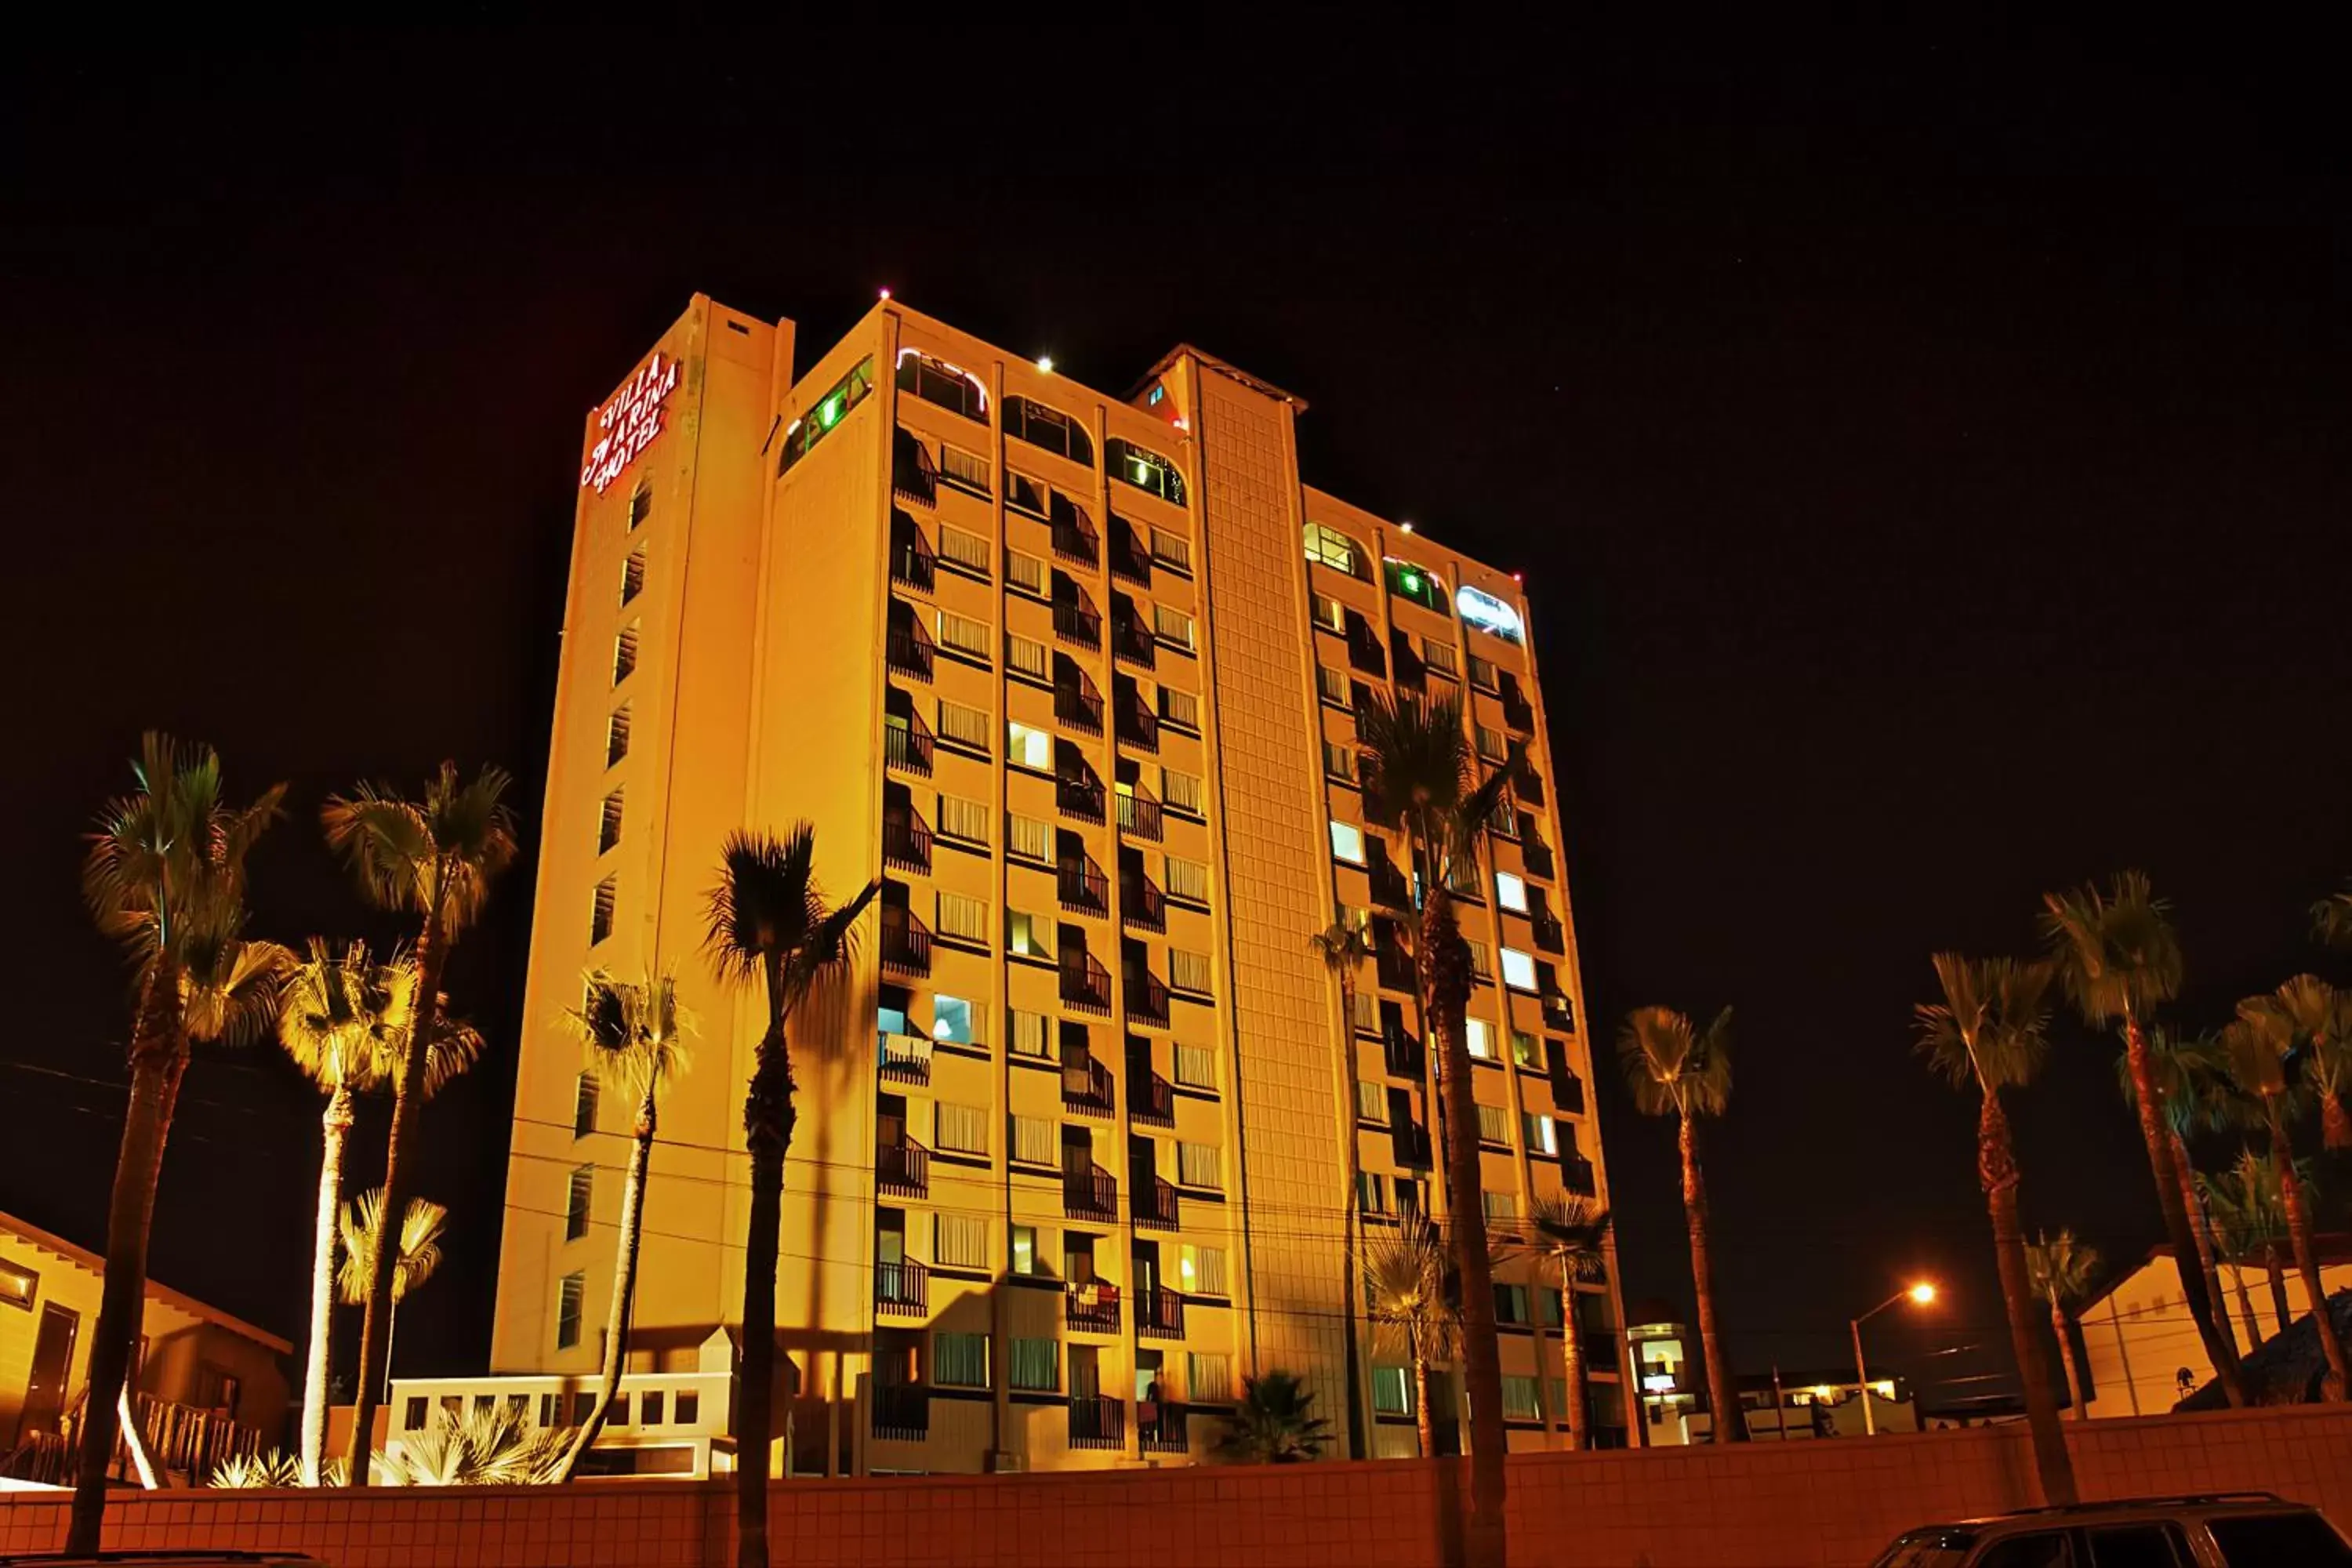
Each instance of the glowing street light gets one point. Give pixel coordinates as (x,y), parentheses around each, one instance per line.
(1922,1294)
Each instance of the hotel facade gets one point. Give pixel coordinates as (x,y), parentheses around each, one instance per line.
(1084,1139)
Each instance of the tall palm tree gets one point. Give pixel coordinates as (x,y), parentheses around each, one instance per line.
(1990,1033)
(164,876)
(1673,1069)
(1571,1234)
(1273,1424)
(433,859)
(633,1037)
(2195,1093)
(415,1257)
(1413,1311)
(769,924)
(2321,1020)
(2261,1045)
(1419,759)
(2121,958)
(2061,1273)
(1344,948)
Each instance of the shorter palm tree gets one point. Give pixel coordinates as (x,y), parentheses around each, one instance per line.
(415,1261)
(1344,948)
(2331,919)
(1569,1235)
(1272,1425)
(2061,1272)
(486,1445)
(2248,1230)
(1409,1298)
(2320,1019)
(261,1471)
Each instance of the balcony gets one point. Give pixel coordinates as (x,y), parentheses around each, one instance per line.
(1131,642)
(1081,885)
(1090,1194)
(1600,1347)
(902,1413)
(1558,1012)
(1137,724)
(1390,889)
(1078,624)
(1075,538)
(1412,673)
(1151,1099)
(908,747)
(1394,968)
(1128,557)
(1518,711)
(1566,1089)
(1158,1314)
(913,474)
(1139,814)
(907,841)
(902,1168)
(1141,904)
(902,1289)
(1092,1307)
(1576,1175)
(1529,785)
(1168,1432)
(1079,796)
(1146,995)
(1409,1141)
(908,648)
(1156,1209)
(905,1059)
(911,561)
(906,942)
(1088,1088)
(1550,935)
(1085,983)
(1098,1421)
(1535,854)
(1404,1054)
(1364,647)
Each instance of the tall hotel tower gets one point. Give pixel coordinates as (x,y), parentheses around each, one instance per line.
(1075,677)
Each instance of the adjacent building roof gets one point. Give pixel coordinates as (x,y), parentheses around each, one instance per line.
(82,1257)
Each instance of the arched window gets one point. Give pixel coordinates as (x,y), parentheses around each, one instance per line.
(936,381)
(829,411)
(1146,471)
(1417,583)
(1337,551)
(1048,427)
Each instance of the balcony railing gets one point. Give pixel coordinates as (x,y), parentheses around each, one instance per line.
(1549,934)
(1088,1088)
(906,1058)
(1411,671)
(1137,725)
(1158,1314)
(902,1168)
(902,1289)
(1078,707)
(1528,785)
(1081,885)
(1098,1421)
(1146,995)
(1073,533)
(1079,796)
(908,748)
(911,561)
(1558,1012)
(910,649)
(1156,1209)
(1077,624)
(1151,1099)
(1409,1141)
(1518,712)
(1131,642)
(1567,1091)
(1090,1194)
(1139,814)
(1364,647)
(1085,983)
(1093,1306)
(1390,889)
(1394,968)
(1167,1432)
(913,474)
(906,941)
(907,842)
(1404,1053)
(1128,557)
(1141,904)
(1535,854)
(1576,1175)
(902,1413)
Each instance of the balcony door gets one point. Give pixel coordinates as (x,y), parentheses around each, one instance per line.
(1086,1372)
(44,1387)
(890,1121)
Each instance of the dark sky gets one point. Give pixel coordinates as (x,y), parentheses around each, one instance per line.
(1927,450)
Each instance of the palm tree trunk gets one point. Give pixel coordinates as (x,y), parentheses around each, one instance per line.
(2277,1271)
(768,1117)
(2200,1226)
(1571,1357)
(1350,1241)
(625,1285)
(2306,1262)
(1729,1425)
(335,1128)
(399,1177)
(2246,1310)
(1997,1172)
(159,1057)
(1424,1418)
(2157,1138)
(1444,973)
(2059,1326)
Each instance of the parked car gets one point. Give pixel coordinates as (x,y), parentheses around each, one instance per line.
(2221,1530)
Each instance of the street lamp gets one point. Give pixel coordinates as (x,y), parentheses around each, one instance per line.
(1922,1294)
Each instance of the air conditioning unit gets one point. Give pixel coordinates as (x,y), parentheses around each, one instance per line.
(1001,1463)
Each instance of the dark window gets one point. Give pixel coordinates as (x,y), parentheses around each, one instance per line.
(2042,1549)
(584,1105)
(608,829)
(650,1408)
(413,1420)
(625,656)
(583,1405)
(616,735)
(2139,1546)
(600,921)
(633,574)
(828,413)
(641,504)
(690,1406)
(936,381)
(1146,471)
(567,1313)
(2250,1540)
(1048,427)
(576,1208)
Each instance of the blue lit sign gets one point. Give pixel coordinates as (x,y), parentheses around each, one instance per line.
(1488,614)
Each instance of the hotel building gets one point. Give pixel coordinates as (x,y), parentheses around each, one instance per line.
(1073,678)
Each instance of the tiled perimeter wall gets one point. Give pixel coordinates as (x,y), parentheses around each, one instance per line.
(1827,1502)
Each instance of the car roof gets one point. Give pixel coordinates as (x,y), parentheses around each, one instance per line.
(2185,1502)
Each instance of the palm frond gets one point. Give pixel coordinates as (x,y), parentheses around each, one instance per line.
(411,855)
(1672,1069)
(167,861)
(336,1016)
(1273,1424)
(2115,946)
(1407,1295)
(1343,948)
(485,1446)
(229,988)
(632,1035)
(765,902)
(2060,1271)
(272,1468)
(1571,1231)
(2331,919)
(1990,1031)
(362,1223)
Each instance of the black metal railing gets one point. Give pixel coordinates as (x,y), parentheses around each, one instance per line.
(1079,796)
(1131,642)
(908,648)
(1412,672)
(1549,934)
(1098,1421)
(902,1289)
(1167,1432)
(1141,904)
(1128,557)
(1137,725)
(1156,1209)
(1528,785)
(1151,1099)
(1394,968)
(1081,885)
(1078,624)
(906,941)
(1088,1088)
(1576,1175)
(907,842)
(1409,1141)
(904,1059)
(1078,707)
(1092,1305)
(1085,983)
(902,1413)
(1534,853)
(1403,1052)
(1160,1314)
(1364,647)
(1518,712)
(1139,814)
(913,474)
(903,1168)
(1146,995)
(1558,1012)
(1390,889)
(909,747)
(1090,1194)
(911,561)
(1073,533)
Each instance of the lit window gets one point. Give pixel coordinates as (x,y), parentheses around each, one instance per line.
(968,551)
(1331,684)
(1494,1125)
(1033,1143)
(936,381)
(1050,428)
(951,1018)
(1170,548)
(1525,1051)
(966,821)
(1328,612)
(1392,1390)
(1417,585)
(1145,470)
(825,415)
(1348,842)
(18,1286)
(1029,748)
(1335,550)
(1519,1399)
(1511,891)
(1026,839)
(1027,656)
(1181,791)
(1188,880)
(963,635)
(962,918)
(1340,761)
(1518,970)
(1180,708)
(1032,1036)
(1371,1192)
(1208,1376)
(568,1297)
(608,826)
(1025,1249)
(1031,936)
(1187,971)
(959,1360)
(576,1208)
(1196,1066)
(1488,614)
(1371,1101)
(1543,1134)
(1203,1270)
(1480,1036)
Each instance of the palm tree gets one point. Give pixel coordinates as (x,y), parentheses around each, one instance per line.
(1418,759)
(1673,1069)
(166,878)
(2195,1093)
(486,1445)
(1344,947)
(433,859)
(264,1470)
(770,923)
(2247,1230)
(2261,1044)
(2331,919)
(1990,1033)
(2121,958)
(1272,1426)
(633,1037)
(2321,1020)
(1571,1234)
(2060,1272)
(415,1258)
(1412,1312)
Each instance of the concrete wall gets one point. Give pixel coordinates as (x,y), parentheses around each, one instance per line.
(1826,1502)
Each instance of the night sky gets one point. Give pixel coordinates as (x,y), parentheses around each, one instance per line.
(1926,451)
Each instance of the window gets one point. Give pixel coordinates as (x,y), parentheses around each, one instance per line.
(1348,842)
(1549,1307)
(1326,612)
(1050,428)
(616,735)
(1172,627)
(827,415)
(961,634)
(1026,573)
(1203,1270)
(1196,1066)
(1187,971)
(2248,1539)
(608,826)
(1417,585)
(1336,550)
(1481,1036)
(1022,493)
(1371,1192)
(1392,1390)
(1180,792)
(962,1129)
(1340,761)
(632,576)
(1439,656)
(1036,1365)
(936,381)
(1494,1124)
(2042,1549)
(1027,656)
(962,1241)
(1368,1013)
(1543,1134)
(18,1286)
(599,919)
(1145,470)
(1029,748)
(625,655)
(952,1016)
(1200,1165)
(1371,1101)
(1518,970)
(1331,686)
(1031,1034)
(1208,1376)
(585,1093)
(650,1408)
(1031,936)
(1490,743)
(959,548)
(963,820)
(963,918)
(641,506)
(959,1360)
(962,726)
(969,469)
(1482,673)
(568,1297)
(1506,820)
(1511,891)
(1481,960)
(1033,1141)
(412,1419)
(1188,880)
(1499,1206)
(575,1207)
(1519,1399)
(1170,548)
(2151,1545)
(1026,839)
(1025,1249)
(1180,708)
(690,1406)
(1525,1052)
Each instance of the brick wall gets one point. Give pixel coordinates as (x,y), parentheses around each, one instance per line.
(1825,1502)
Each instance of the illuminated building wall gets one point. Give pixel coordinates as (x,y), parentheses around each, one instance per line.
(1080,1127)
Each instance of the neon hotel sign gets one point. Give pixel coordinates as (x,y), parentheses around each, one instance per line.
(630,421)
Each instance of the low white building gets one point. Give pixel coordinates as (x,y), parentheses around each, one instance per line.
(2138,1347)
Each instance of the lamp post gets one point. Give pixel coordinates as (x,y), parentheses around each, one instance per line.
(1921,1294)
